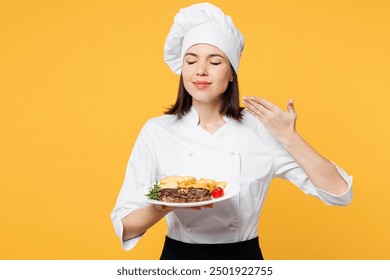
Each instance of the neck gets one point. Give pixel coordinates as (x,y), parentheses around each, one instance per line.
(209,117)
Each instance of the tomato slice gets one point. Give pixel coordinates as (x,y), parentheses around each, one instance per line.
(217,192)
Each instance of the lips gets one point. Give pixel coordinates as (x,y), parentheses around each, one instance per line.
(201,84)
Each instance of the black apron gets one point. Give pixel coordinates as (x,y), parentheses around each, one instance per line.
(245,250)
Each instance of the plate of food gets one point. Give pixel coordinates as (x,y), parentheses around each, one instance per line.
(187,191)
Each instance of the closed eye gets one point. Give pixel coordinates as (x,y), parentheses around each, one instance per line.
(215,63)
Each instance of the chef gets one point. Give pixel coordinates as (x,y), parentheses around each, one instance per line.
(206,134)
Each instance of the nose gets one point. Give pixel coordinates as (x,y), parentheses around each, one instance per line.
(202,69)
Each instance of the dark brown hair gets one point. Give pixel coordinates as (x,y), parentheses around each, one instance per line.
(230,106)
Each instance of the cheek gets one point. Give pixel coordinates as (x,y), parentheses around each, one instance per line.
(188,86)
(186,78)
(225,75)
(186,74)
(223,81)
(223,86)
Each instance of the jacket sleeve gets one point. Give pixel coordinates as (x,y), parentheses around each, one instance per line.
(286,167)
(140,173)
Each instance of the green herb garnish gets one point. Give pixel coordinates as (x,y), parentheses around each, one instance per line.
(153,191)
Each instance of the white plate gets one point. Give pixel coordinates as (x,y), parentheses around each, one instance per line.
(229,192)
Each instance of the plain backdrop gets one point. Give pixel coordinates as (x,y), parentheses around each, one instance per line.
(78,79)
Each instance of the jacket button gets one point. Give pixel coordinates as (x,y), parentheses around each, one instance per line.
(189,229)
(231,228)
(231,153)
(190,153)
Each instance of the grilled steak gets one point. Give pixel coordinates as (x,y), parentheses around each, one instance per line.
(184,195)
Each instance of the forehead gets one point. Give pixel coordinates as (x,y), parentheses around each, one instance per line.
(205,49)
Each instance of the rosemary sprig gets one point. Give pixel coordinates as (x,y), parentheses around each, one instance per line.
(153,191)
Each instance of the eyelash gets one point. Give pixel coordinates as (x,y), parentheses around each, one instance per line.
(212,63)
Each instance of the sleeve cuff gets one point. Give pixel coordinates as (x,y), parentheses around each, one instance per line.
(341,199)
(130,244)
(126,244)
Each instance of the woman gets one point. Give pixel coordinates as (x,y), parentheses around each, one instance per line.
(206,134)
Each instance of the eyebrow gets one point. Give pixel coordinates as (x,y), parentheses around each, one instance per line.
(210,55)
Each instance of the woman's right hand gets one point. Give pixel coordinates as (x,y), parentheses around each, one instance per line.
(169,208)
(140,220)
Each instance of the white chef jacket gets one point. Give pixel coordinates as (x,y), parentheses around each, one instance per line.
(242,153)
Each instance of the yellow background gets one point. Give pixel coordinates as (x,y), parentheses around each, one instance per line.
(79,78)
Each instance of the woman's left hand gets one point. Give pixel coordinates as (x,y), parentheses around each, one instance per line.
(281,124)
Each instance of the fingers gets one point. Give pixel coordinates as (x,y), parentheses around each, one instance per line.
(254,100)
(163,207)
(211,205)
(158,207)
(254,107)
(290,106)
(167,208)
(267,104)
(261,106)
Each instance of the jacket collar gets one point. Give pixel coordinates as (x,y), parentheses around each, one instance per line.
(192,117)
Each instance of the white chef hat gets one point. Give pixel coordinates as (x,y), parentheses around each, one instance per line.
(202,24)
